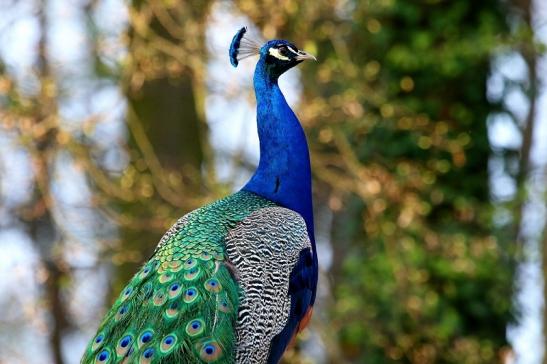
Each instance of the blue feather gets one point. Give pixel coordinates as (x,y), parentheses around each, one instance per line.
(234,46)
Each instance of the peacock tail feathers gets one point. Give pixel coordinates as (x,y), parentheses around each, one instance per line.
(181,306)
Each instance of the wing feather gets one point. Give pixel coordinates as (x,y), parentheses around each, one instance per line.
(266,249)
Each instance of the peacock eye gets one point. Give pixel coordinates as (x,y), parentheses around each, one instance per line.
(283,51)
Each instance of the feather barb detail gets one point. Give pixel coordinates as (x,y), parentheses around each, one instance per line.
(242,47)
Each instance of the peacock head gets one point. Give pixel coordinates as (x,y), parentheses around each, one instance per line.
(278,55)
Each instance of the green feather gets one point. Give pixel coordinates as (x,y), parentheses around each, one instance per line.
(124,344)
(195,327)
(181,307)
(168,344)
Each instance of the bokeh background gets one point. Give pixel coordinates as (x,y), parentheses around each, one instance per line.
(427,123)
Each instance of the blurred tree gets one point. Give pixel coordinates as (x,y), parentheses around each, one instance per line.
(518,163)
(42,226)
(33,118)
(396,111)
(164,86)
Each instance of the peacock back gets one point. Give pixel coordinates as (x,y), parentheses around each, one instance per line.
(181,306)
(215,289)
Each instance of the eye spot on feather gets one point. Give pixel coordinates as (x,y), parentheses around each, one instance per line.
(123,345)
(103,357)
(125,341)
(213,285)
(126,293)
(145,337)
(224,306)
(166,277)
(195,327)
(190,295)
(148,269)
(168,343)
(210,351)
(172,311)
(190,263)
(122,311)
(175,290)
(145,272)
(147,356)
(192,274)
(98,341)
(159,297)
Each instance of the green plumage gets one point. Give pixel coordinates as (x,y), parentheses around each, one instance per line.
(181,307)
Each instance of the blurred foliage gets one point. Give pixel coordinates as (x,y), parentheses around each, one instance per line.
(163,84)
(395,111)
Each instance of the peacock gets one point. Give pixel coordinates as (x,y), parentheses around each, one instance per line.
(235,280)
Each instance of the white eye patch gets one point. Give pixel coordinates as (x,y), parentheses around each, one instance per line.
(292,50)
(274,52)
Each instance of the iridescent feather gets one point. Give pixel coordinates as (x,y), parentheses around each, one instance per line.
(182,304)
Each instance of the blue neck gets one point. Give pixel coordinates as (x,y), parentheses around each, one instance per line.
(283,174)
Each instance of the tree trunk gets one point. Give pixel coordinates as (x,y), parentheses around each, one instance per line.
(166,107)
(41,225)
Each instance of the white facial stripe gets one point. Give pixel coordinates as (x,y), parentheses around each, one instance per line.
(292,50)
(275,53)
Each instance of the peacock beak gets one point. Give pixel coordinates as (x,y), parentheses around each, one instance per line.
(302,56)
